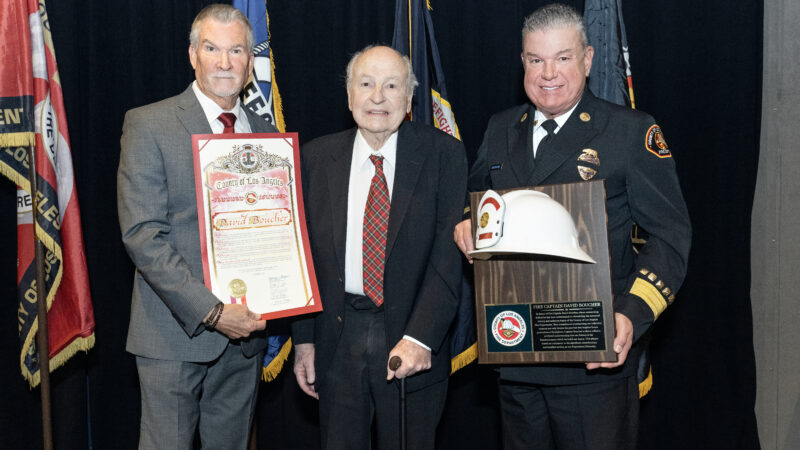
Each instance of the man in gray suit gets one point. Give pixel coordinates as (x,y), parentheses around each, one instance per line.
(197,360)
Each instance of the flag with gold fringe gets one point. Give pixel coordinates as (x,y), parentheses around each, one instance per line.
(261,95)
(611,80)
(413,36)
(33,115)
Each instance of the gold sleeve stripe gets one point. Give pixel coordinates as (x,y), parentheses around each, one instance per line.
(650,295)
(647,383)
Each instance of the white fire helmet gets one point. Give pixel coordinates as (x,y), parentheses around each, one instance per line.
(525,222)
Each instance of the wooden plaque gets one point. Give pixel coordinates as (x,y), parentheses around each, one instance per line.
(543,309)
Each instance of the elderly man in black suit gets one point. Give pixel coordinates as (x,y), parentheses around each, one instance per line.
(567,135)
(381,203)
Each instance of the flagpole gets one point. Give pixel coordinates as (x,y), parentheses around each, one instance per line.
(41,300)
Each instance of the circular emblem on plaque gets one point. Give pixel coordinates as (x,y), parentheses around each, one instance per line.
(251,198)
(508,328)
(237,288)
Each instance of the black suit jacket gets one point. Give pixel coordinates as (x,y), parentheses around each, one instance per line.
(422,275)
(618,145)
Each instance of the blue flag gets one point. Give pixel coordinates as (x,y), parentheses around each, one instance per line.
(261,96)
(610,78)
(413,36)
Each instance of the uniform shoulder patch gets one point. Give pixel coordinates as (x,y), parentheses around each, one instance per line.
(655,143)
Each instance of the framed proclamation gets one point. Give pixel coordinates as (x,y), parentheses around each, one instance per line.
(252,224)
(542,275)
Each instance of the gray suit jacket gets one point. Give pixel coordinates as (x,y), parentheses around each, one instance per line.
(158,220)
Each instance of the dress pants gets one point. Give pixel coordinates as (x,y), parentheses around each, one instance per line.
(216,398)
(354,394)
(594,416)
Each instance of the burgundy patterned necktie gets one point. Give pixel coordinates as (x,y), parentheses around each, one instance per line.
(227,119)
(376,224)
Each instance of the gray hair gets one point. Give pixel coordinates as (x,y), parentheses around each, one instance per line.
(555,15)
(411,80)
(223,14)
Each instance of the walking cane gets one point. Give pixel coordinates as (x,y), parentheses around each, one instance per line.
(395,364)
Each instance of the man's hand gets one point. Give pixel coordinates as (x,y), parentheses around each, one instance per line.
(622,343)
(462,234)
(237,321)
(304,368)
(415,359)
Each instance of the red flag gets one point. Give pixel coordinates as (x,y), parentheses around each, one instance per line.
(33,114)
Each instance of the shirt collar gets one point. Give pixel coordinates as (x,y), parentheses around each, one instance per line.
(212,110)
(362,151)
(539,118)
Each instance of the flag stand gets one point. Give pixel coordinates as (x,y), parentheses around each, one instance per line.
(41,300)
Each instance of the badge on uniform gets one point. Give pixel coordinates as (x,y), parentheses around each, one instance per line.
(655,143)
(588,163)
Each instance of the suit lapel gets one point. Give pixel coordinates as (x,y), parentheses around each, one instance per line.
(341,156)
(520,151)
(568,141)
(191,114)
(257,123)
(410,156)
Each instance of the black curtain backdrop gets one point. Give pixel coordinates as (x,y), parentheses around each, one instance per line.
(696,68)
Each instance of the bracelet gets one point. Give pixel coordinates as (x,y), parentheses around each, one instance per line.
(213,318)
(217,314)
(208,321)
(213,326)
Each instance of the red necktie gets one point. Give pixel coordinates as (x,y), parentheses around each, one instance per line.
(376,224)
(227,119)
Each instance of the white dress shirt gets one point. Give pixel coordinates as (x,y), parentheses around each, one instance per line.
(539,132)
(361,172)
(213,110)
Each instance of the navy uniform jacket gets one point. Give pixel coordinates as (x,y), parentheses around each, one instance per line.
(624,147)
(422,275)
